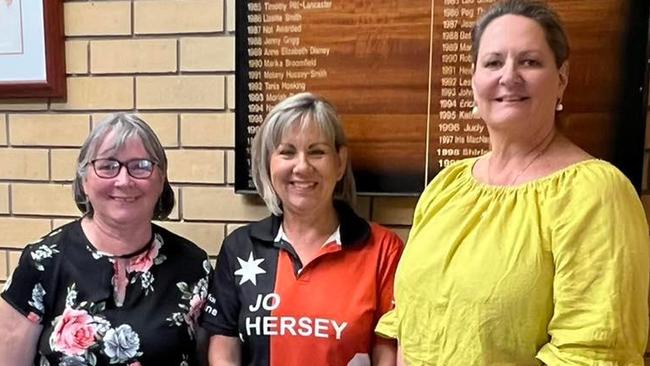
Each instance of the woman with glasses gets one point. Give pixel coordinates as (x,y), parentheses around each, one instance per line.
(110,288)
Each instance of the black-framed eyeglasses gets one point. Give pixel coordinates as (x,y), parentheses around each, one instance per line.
(110,168)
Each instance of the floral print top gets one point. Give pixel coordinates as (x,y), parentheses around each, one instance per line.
(96,310)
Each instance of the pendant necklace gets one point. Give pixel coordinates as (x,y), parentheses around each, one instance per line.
(525,168)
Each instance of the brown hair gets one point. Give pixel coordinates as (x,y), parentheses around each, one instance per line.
(536,10)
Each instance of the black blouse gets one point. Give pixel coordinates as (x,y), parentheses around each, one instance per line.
(65,284)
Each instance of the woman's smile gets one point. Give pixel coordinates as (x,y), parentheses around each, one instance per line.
(305,168)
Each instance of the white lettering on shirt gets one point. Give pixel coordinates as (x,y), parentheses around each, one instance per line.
(320,327)
(338,328)
(268,302)
(286,325)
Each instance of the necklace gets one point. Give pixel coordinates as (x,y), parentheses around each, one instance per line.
(525,168)
(137,252)
(131,255)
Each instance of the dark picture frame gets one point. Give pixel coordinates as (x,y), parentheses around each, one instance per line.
(54,83)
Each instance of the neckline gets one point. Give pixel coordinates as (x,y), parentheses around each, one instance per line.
(512,182)
(472,162)
(334,237)
(354,229)
(130,255)
(136,253)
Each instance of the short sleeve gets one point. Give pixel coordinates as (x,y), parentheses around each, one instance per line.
(221,313)
(385,326)
(26,290)
(600,250)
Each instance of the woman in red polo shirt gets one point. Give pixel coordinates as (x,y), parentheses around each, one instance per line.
(308,284)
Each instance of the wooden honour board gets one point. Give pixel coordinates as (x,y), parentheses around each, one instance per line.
(399,74)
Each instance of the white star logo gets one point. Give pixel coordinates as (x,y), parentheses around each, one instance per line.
(249,269)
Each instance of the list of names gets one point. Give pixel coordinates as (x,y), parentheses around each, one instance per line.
(280,62)
(459,133)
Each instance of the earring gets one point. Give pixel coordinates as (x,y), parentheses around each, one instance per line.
(474,109)
(559,107)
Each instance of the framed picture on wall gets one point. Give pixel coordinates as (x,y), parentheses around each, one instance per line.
(32,62)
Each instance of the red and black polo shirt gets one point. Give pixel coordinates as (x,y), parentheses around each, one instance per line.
(321,314)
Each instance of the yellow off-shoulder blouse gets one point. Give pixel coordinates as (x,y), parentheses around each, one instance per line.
(554,271)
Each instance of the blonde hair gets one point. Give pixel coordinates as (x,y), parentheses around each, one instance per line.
(302,110)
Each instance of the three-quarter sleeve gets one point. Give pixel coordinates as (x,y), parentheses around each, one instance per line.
(600,248)
(221,313)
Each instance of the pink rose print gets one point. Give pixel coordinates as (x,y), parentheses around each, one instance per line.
(119,282)
(136,363)
(74,332)
(143,262)
(196,306)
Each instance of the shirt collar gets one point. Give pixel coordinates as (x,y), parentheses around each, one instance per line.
(354,230)
(335,237)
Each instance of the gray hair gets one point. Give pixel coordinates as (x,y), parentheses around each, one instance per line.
(302,110)
(125,126)
(536,10)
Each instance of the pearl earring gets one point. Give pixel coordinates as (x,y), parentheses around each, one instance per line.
(559,107)
(475,110)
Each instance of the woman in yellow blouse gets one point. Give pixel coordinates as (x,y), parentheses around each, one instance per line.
(536,253)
